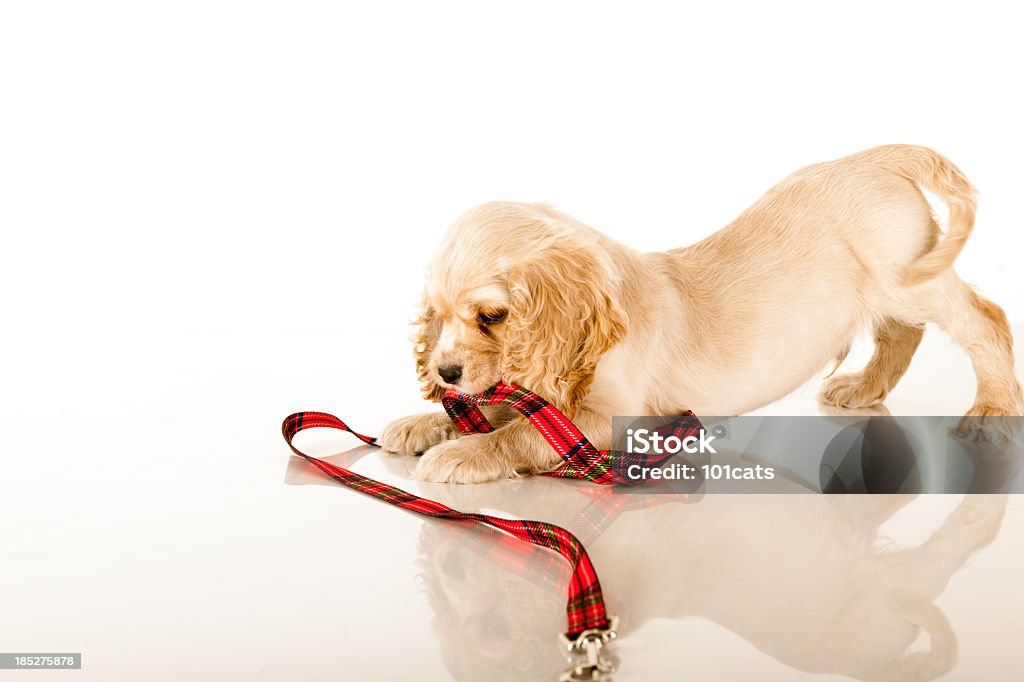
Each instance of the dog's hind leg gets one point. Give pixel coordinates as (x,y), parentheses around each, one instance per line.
(980,327)
(895,343)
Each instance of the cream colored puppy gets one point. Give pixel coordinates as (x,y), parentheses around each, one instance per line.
(526,294)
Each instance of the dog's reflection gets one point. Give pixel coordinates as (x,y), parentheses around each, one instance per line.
(807,579)
(804,578)
(499,603)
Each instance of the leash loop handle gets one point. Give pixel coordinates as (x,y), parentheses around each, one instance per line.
(585,608)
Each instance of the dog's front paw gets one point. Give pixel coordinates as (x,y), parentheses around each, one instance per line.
(466,460)
(417,433)
(990,424)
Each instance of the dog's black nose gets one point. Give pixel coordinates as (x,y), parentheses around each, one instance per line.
(450,373)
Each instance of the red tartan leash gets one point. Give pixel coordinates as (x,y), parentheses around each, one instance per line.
(580,459)
(589,627)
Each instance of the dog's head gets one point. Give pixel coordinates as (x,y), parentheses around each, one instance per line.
(518,293)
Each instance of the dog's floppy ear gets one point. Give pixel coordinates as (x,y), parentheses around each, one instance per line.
(427,330)
(562,318)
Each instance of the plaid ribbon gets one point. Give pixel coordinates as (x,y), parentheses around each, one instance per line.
(580,459)
(585,609)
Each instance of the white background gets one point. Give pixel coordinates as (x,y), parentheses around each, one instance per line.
(217,213)
(191,186)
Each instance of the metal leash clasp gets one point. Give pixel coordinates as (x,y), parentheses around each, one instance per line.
(596,665)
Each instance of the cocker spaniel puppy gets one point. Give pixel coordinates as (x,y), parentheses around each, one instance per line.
(526,294)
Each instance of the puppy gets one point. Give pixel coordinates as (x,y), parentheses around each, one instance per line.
(526,294)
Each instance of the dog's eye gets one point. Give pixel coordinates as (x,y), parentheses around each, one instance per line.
(490,317)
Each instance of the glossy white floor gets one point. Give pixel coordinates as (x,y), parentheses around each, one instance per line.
(176,540)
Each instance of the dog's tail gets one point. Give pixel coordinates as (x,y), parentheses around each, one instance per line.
(938,175)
